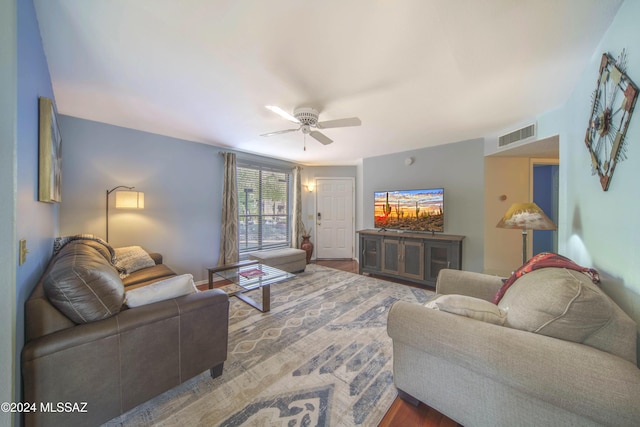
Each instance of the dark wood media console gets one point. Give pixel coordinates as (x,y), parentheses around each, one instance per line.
(413,256)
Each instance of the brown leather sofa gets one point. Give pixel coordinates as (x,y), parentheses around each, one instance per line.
(122,359)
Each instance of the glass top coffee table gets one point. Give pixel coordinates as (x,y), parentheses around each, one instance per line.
(249,275)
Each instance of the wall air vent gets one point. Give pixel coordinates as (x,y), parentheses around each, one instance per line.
(527,132)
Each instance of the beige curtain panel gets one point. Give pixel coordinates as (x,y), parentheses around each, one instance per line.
(297,226)
(229,231)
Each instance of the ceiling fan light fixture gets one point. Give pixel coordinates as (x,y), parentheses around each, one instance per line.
(306,116)
(279,111)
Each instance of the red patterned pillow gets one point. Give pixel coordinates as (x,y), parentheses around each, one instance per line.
(542,260)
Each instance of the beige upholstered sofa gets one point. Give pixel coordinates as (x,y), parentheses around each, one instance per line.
(85,347)
(556,351)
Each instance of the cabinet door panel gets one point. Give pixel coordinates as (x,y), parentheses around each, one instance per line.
(371,253)
(412,260)
(438,257)
(390,256)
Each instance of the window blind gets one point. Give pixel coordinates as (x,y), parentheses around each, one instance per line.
(263,207)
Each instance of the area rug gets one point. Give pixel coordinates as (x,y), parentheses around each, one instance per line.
(320,357)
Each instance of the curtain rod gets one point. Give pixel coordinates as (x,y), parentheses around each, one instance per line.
(261,162)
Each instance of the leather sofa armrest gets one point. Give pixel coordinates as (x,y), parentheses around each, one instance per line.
(468,283)
(573,376)
(156,257)
(67,338)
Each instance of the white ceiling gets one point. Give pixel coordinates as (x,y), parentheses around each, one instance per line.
(418,73)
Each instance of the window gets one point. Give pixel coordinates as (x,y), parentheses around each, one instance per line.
(263,207)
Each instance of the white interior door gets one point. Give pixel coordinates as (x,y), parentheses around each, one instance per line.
(334,218)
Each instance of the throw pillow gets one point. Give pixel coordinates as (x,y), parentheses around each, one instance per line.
(544,260)
(464,305)
(165,289)
(132,258)
(556,302)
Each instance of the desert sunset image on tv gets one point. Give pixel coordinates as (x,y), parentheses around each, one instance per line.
(415,210)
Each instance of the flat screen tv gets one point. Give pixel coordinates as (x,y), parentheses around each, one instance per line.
(411,210)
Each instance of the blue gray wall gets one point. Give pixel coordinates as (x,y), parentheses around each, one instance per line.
(182,182)
(458,167)
(599,228)
(36,222)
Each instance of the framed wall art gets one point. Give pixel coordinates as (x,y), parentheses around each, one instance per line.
(50,154)
(613,101)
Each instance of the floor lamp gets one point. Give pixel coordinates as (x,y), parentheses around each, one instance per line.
(124,199)
(526,216)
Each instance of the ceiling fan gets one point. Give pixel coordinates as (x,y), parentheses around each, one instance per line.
(307,118)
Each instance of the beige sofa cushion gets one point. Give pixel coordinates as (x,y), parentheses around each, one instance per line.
(173,287)
(288,259)
(463,305)
(556,302)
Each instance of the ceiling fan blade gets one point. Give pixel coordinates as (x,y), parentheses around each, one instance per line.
(322,138)
(339,123)
(279,111)
(279,132)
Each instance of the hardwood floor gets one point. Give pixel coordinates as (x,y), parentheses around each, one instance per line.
(339,264)
(401,413)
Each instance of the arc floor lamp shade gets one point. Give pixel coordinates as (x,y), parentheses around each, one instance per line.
(129,199)
(125,199)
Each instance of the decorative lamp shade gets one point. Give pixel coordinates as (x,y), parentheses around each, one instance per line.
(129,200)
(526,216)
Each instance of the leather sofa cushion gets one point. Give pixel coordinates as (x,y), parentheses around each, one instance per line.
(83,285)
(147,276)
(556,302)
(99,247)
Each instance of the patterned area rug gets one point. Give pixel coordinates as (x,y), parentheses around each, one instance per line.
(320,357)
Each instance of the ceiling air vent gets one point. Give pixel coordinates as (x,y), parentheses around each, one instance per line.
(519,135)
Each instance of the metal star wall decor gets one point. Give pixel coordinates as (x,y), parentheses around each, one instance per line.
(613,101)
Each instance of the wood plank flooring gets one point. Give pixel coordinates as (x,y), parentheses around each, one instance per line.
(401,413)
